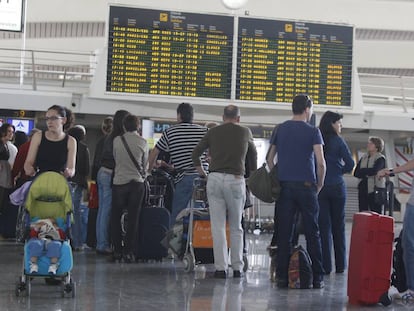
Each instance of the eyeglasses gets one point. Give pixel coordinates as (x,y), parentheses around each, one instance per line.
(52,118)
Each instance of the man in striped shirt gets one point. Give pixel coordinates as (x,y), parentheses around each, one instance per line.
(179,141)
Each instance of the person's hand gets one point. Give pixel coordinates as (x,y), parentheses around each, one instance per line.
(68,172)
(383,173)
(318,188)
(31,172)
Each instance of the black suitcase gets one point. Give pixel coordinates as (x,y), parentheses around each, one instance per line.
(91,228)
(153,226)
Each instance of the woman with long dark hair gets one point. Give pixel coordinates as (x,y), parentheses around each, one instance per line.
(104,181)
(332,197)
(53,149)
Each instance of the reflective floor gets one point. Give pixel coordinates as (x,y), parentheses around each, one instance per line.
(101,285)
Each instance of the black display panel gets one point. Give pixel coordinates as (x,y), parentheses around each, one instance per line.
(278,59)
(169,53)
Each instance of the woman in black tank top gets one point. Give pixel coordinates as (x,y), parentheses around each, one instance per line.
(53,149)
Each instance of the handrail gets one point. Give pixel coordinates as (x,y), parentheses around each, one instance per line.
(42,65)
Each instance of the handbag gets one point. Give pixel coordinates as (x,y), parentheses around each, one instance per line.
(140,171)
(93,196)
(380,195)
(260,184)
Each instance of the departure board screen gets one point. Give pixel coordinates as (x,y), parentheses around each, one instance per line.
(169,53)
(278,59)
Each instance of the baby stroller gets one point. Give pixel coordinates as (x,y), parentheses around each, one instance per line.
(49,197)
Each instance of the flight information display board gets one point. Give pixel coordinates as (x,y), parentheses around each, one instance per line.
(169,53)
(278,59)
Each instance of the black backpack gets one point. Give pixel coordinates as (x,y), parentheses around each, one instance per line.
(398,278)
(300,269)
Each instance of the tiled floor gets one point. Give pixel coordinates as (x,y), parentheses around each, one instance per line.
(165,286)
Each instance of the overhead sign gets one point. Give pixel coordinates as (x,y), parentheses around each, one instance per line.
(11,15)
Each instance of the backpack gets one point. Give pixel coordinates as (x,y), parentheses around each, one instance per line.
(300,273)
(398,278)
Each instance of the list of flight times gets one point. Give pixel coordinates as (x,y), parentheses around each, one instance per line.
(278,59)
(169,53)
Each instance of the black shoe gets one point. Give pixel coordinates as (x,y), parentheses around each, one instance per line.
(238,274)
(339,271)
(220,274)
(282,284)
(318,284)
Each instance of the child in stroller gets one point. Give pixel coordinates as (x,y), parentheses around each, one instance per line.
(45,239)
(48,210)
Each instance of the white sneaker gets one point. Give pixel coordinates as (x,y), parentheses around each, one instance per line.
(52,268)
(34,268)
(408,296)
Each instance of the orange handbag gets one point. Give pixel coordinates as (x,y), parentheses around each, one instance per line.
(93,195)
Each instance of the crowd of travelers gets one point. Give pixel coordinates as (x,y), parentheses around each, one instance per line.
(311,163)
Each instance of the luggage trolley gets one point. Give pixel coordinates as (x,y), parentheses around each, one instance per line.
(199,245)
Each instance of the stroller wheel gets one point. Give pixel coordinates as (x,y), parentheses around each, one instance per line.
(20,288)
(188,262)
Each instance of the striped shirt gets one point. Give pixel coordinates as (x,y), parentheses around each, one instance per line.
(179,141)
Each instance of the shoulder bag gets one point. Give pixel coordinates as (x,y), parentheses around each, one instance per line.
(264,185)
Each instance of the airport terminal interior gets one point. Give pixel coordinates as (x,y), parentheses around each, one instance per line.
(96,57)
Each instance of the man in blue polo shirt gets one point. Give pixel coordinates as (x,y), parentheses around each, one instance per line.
(297,145)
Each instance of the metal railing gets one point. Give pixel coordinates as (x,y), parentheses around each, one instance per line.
(389,90)
(39,68)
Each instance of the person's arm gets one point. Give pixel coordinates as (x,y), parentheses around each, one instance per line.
(320,165)
(270,156)
(409,166)
(31,155)
(372,171)
(197,152)
(145,160)
(251,154)
(71,161)
(349,162)
(152,158)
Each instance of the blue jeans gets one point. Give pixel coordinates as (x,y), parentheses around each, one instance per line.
(104,180)
(296,196)
(332,225)
(182,196)
(40,247)
(408,245)
(77,215)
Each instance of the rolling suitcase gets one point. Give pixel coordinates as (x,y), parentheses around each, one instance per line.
(370,257)
(153,226)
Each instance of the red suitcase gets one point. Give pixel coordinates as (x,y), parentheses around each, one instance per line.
(370,257)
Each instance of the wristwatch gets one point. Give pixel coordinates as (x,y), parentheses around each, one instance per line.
(391,172)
